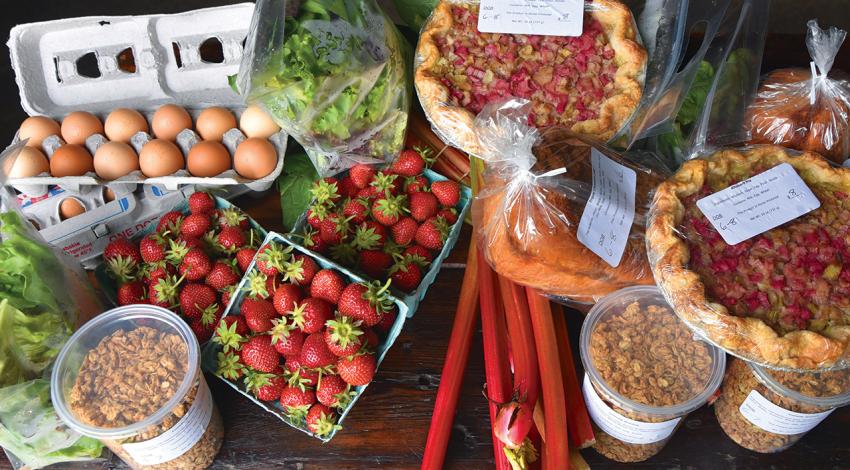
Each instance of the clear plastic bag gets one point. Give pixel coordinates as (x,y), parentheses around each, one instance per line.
(538,187)
(333,74)
(590,84)
(806,109)
(44,296)
(773,291)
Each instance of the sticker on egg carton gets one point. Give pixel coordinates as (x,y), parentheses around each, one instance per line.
(85,234)
(98,64)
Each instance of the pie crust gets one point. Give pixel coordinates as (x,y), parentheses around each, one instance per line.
(746,337)
(455,123)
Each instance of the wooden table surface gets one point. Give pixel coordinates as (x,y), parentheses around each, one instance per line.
(389,424)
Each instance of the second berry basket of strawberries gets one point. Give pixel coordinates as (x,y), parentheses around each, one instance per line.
(346,230)
(306,345)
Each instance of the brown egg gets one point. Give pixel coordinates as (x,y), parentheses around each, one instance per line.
(255,122)
(108,194)
(254,158)
(29,162)
(160,158)
(169,120)
(71,160)
(113,160)
(208,158)
(214,122)
(70,207)
(36,129)
(78,126)
(123,123)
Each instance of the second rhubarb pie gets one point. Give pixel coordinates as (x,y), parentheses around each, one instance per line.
(780,298)
(590,84)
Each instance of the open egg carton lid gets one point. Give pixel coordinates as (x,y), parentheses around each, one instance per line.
(101,63)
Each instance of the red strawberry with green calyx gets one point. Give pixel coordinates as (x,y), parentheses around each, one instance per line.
(386,184)
(358,369)
(423,205)
(160,269)
(271,258)
(257,285)
(356,210)
(321,421)
(419,255)
(327,285)
(258,314)
(365,302)
(152,248)
(233,217)
(347,187)
(311,314)
(195,226)
(287,339)
(164,291)
(374,262)
(231,239)
(361,175)
(369,236)
(122,258)
(196,265)
(259,354)
(316,214)
(266,387)
(286,297)
(195,298)
(231,332)
(333,392)
(300,270)
(404,231)
(433,233)
(406,274)
(344,254)
(343,335)
(334,229)
(408,163)
(296,402)
(170,223)
(415,184)
(315,353)
(132,292)
(244,258)
(229,365)
(326,191)
(300,376)
(201,203)
(387,210)
(447,192)
(221,275)
(313,241)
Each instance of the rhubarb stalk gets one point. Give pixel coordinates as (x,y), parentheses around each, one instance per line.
(454,366)
(555,449)
(578,421)
(526,377)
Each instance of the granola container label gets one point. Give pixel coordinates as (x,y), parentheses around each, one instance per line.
(180,438)
(623,428)
(772,418)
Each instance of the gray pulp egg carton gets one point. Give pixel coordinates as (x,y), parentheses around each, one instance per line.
(98,64)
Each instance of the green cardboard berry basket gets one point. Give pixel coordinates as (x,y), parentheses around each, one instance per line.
(210,351)
(107,283)
(411,299)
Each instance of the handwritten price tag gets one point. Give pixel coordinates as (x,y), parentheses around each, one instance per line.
(758,204)
(545,17)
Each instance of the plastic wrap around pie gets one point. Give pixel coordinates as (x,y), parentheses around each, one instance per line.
(781,298)
(530,236)
(590,84)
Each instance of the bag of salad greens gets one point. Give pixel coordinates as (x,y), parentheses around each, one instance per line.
(334,74)
(44,296)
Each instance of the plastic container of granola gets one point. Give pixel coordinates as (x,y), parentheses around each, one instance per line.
(644,372)
(767,410)
(131,377)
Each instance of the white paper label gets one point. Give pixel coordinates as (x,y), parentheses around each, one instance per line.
(773,418)
(181,437)
(758,204)
(622,428)
(607,219)
(544,17)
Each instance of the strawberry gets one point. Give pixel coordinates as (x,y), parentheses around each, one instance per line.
(211,315)
(406,275)
(408,163)
(287,339)
(369,235)
(152,248)
(300,270)
(448,213)
(311,314)
(344,254)
(387,321)
(266,387)
(356,370)
(404,231)
(361,175)
(244,258)
(202,332)
(164,291)
(327,285)
(369,193)
(334,229)
(447,192)
(347,187)
(233,217)
(386,210)
(170,222)
(196,265)
(374,263)
(300,375)
(333,392)
(315,352)
(259,354)
(157,270)
(238,320)
(231,332)
(313,241)
(343,335)
(201,203)
(326,191)
(415,184)
(221,275)
(316,214)
(229,365)
(195,298)
(433,233)
(272,283)
(356,210)
(296,401)
(321,421)
(195,226)
(258,314)
(122,257)
(386,183)
(257,285)
(271,257)
(132,292)
(226,295)
(371,338)
(419,254)
(422,206)
(286,297)
(231,239)
(365,302)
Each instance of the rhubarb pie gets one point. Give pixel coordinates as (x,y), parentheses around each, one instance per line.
(781,298)
(590,84)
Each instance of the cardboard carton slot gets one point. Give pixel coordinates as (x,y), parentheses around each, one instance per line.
(127,61)
(87,66)
(211,51)
(175,48)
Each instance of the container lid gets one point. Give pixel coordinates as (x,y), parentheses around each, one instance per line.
(639,319)
(130,318)
(825,389)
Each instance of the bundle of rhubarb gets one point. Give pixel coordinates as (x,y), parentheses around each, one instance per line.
(387,223)
(190,264)
(303,337)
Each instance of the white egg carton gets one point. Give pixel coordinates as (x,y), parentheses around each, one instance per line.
(85,236)
(72,65)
